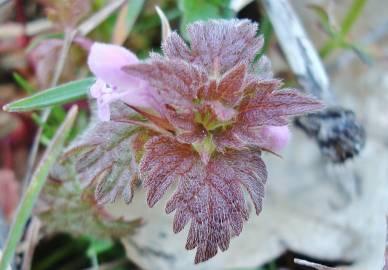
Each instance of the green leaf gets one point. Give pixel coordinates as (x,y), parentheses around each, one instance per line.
(23,83)
(324,19)
(194,10)
(99,245)
(58,95)
(38,180)
(266,30)
(352,15)
(339,37)
(360,52)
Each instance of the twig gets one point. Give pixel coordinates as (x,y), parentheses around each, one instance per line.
(13,30)
(6,10)
(298,49)
(69,36)
(3,229)
(314,265)
(87,26)
(32,238)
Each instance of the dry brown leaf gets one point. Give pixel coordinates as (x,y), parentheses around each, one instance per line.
(9,193)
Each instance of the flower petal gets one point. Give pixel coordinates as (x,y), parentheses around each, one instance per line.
(274,138)
(97,89)
(106,61)
(103,110)
(139,96)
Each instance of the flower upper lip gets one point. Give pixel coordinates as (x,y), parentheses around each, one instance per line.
(106,62)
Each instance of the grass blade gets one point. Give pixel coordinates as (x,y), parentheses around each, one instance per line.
(126,19)
(23,83)
(352,15)
(347,23)
(36,185)
(54,96)
(166,28)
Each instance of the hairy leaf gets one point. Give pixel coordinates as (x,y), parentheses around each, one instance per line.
(66,207)
(230,86)
(271,108)
(218,45)
(104,157)
(194,10)
(263,107)
(262,68)
(209,195)
(176,81)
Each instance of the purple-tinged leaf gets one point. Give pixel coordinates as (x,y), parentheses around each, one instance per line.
(262,68)
(210,195)
(165,160)
(219,45)
(230,86)
(104,157)
(267,138)
(183,120)
(256,86)
(175,47)
(176,81)
(228,139)
(272,108)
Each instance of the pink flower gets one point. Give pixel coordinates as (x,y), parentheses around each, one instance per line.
(274,138)
(106,61)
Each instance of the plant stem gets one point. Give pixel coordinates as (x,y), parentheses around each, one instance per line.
(69,36)
(90,24)
(37,181)
(327,48)
(350,18)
